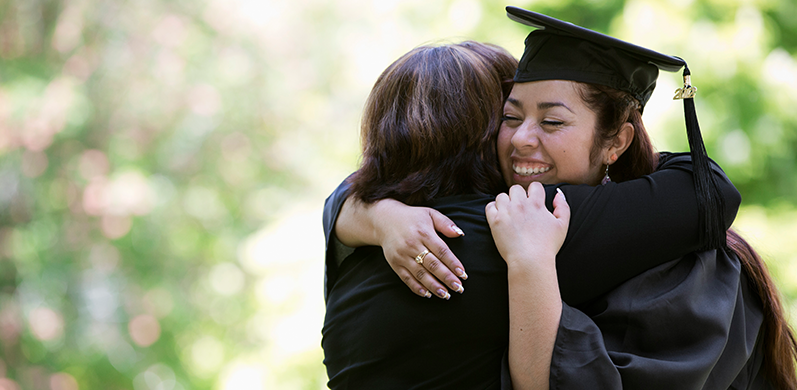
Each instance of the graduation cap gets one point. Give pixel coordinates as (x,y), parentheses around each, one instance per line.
(559,50)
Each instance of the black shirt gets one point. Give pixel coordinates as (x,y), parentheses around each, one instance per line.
(379,335)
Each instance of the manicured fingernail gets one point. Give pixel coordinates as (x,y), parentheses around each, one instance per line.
(458,230)
(461,273)
(559,190)
(426,294)
(443,294)
(458,287)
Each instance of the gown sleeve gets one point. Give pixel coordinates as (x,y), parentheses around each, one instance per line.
(332,206)
(691,323)
(620,230)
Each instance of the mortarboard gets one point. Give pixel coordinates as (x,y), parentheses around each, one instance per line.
(559,50)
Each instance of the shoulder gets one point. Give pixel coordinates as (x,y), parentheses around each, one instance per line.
(671,160)
(683,160)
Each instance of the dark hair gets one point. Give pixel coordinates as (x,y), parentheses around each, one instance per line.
(430,124)
(779,343)
(614,108)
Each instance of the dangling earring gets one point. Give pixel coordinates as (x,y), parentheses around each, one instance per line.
(606,177)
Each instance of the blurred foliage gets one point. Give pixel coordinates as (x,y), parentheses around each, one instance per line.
(157,157)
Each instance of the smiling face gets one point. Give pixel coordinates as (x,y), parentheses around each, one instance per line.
(546,135)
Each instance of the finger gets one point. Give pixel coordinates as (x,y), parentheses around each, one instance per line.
(445,225)
(441,271)
(429,282)
(490,212)
(537,193)
(501,200)
(440,250)
(408,279)
(561,209)
(517,192)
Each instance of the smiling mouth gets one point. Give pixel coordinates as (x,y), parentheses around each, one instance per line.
(529,171)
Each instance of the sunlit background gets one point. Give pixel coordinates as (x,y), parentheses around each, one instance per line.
(163,164)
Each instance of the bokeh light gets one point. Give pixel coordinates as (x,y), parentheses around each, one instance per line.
(8,384)
(63,381)
(45,323)
(144,330)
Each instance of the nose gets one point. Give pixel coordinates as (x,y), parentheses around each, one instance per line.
(526,137)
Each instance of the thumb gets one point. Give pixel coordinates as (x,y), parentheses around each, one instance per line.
(490,212)
(561,210)
(445,225)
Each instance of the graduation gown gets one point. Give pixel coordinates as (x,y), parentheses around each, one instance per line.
(617,232)
(691,323)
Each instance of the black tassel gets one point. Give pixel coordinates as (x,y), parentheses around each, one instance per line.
(709,201)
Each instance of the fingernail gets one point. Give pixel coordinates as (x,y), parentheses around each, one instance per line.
(426,294)
(458,230)
(443,294)
(559,190)
(458,287)
(461,273)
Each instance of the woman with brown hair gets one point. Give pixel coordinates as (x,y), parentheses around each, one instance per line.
(428,132)
(693,322)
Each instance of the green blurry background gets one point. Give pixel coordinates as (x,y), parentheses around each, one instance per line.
(163,164)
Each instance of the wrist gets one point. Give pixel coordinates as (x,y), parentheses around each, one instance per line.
(375,213)
(531,262)
(355,225)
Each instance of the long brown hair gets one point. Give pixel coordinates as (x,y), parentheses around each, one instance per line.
(615,108)
(430,124)
(779,343)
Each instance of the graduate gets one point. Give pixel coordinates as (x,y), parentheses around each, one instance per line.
(709,319)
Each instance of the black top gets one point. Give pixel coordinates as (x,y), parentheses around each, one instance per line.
(377,334)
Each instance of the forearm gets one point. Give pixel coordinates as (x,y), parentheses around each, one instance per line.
(354,227)
(535,308)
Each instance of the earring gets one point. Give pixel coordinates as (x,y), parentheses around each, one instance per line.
(606,177)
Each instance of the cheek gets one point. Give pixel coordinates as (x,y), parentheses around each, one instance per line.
(504,142)
(581,148)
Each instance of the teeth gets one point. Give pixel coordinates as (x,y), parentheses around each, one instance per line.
(529,171)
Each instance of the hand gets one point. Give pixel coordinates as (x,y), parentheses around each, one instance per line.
(522,227)
(404,232)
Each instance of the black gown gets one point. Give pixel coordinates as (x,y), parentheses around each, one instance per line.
(656,329)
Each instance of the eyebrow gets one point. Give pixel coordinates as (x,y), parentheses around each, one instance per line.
(545,105)
(540,105)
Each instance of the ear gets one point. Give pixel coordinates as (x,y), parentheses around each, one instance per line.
(620,143)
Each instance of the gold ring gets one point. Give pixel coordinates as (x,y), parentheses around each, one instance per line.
(419,258)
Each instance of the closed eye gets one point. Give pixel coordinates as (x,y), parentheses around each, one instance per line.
(552,123)
(506,118)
